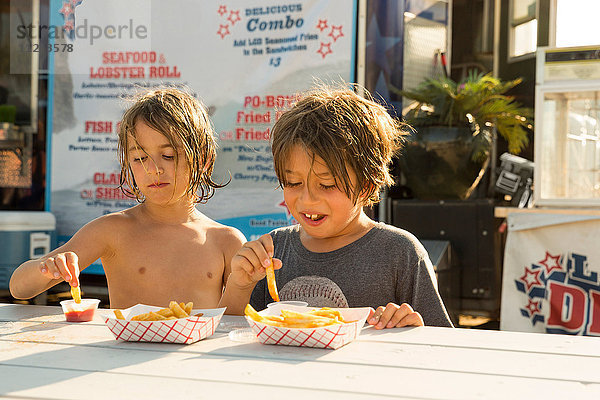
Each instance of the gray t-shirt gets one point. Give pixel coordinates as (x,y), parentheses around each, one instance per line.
(387,264)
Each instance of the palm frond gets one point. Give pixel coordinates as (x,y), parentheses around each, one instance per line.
(442,101)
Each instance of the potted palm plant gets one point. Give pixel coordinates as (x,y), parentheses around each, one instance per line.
(448,150)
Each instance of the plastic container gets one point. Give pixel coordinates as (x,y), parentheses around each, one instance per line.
(297,303)
(81,312)
(24,235)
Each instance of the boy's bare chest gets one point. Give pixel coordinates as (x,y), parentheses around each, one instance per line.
(174,254)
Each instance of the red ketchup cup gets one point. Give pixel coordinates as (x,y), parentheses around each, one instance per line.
(81,312)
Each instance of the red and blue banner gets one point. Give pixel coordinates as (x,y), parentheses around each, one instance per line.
(551,274)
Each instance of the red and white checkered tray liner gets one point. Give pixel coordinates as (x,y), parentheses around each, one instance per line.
(327,337)
(182,330)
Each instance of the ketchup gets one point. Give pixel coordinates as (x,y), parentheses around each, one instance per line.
(80,316)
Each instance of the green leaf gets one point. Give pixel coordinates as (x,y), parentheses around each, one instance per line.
(442,101)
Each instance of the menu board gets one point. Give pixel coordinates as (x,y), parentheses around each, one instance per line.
(245,60)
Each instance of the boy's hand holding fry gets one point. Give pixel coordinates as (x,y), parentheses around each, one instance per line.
(62,265)
(394,316)
(249,265)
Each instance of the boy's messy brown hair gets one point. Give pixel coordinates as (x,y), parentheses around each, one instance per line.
(183,120)
(346,131)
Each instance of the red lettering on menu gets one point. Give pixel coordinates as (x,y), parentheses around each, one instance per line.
(251,134)
(117,72)
(164,72)
(98,126)
(110,193)
(253,118)
(100,178)
(128,57)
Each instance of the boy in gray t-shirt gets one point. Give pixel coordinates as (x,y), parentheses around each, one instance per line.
(332,152)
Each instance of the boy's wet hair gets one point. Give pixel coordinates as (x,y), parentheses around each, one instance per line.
(346,131)
(183,120)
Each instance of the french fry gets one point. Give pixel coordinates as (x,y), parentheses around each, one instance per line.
(271,282)
(328,312)
(156,316)
(251,312)
(311,320)
(76,294)
(274,318)
(177,310)
(174,311)
(165,312)
(294,319)
(141,317)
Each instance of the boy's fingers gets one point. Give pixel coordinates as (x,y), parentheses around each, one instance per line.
(370,316)
(61,263)
(399,315)
(267,241)
(49,269)
(388,313)
(371,312)
(251,260)
(262,257)
(374,319)
(251,271)
(73,266)
(412,319)
(277,264)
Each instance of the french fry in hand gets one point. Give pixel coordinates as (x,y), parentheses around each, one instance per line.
(271,282)
(76,294)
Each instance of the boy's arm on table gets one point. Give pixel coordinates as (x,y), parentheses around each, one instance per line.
(247,268)
(88,244)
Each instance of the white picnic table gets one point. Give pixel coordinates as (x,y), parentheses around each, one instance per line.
(44,357)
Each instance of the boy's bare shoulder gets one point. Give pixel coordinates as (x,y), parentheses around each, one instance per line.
(113,222)
(221,232)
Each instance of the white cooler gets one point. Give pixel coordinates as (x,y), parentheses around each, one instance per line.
(24,235)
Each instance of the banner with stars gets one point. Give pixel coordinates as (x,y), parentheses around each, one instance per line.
(245,59)
(551,279)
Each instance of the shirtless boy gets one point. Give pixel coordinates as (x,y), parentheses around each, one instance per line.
(163,248)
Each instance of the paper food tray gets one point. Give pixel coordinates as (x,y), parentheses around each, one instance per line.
(326,337)
(183,330)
